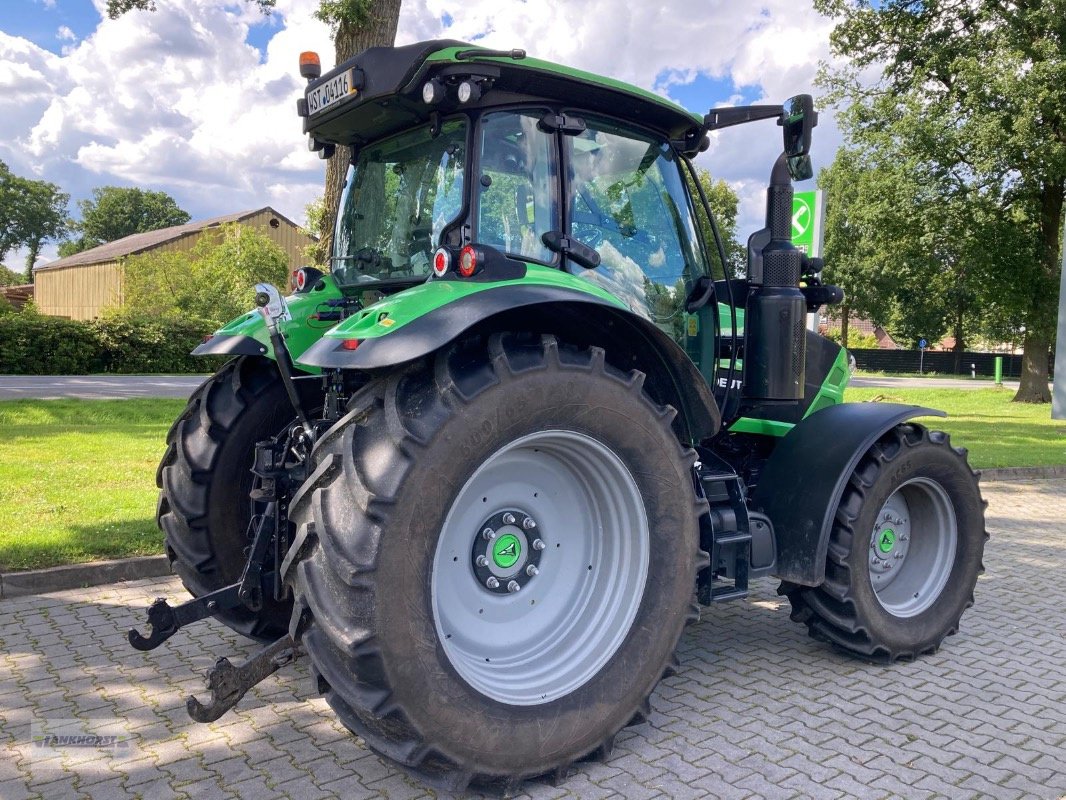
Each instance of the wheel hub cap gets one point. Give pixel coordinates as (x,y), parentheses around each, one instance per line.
(502,553)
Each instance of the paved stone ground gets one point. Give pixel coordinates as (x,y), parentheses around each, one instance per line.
(758,708)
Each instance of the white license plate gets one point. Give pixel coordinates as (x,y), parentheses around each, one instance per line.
(330,93)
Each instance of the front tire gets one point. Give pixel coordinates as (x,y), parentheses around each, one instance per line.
(904,553)
(435,641)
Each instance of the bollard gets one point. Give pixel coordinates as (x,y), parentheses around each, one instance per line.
(999,370)
(973,371)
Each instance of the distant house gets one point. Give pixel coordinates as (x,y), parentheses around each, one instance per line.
(858,325)
(17,296)
(82,285)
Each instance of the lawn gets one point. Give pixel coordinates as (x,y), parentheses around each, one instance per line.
(77,477)
(997,432)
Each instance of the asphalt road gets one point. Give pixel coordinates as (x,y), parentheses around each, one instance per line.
(112,387)
(96,387)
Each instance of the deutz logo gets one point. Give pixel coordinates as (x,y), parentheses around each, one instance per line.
(508,550)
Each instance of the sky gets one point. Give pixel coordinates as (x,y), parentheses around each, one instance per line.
(198,99)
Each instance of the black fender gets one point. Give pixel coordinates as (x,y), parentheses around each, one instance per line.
(227,345)
(575,315)
(806,474)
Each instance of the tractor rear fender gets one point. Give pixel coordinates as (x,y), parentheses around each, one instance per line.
(430,316)
(804,479)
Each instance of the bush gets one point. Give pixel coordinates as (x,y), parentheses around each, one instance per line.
(31,344)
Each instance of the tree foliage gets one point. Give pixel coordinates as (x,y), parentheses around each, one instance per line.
(212,283)
(973,94)
(116,8)
(724,205)
(117,211)
(31,212)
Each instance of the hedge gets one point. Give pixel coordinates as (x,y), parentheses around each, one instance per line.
(31,344)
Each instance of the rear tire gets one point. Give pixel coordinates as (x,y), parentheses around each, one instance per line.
(204,480)
(905,550)
(392,598)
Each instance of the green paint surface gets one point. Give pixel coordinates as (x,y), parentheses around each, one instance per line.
(506,550)
(300,332)
(393,312)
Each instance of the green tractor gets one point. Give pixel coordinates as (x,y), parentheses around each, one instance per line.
(485,470)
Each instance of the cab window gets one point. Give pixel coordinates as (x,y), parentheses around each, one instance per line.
(628,202)
(517,185)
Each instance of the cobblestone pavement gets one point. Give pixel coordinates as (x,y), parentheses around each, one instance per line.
(758,709)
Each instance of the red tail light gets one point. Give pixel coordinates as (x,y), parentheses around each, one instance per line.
(467,261)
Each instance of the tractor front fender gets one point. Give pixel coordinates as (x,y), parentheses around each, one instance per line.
(247,335)
(805,477)
(419,321)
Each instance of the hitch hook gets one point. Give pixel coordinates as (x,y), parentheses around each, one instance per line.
(228,684)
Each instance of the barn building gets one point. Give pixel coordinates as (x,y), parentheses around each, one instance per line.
(82,285)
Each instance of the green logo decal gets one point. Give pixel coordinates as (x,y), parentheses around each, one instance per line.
(886,540)
(506,551)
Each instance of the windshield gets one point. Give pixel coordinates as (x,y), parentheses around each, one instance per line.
(400,195)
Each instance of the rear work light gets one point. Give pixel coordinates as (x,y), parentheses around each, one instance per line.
(442,260)
(467,261)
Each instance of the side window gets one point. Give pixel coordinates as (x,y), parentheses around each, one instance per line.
(517,185)
(628,202)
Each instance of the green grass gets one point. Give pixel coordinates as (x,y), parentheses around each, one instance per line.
(77,479)
(997,432)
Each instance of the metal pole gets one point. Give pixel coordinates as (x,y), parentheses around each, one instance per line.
(814,319)
(999,370)
(1058,401)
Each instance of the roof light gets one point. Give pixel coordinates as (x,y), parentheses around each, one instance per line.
(467,261)
(442,260)
(432,92)
(469,92)
(310,65)
(349,344)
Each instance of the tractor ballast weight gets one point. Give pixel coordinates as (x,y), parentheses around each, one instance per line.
(490,459)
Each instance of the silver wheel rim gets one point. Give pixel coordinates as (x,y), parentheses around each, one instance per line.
(567,506)
(912,547)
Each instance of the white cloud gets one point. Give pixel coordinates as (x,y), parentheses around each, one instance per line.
(177,100)
(65,34)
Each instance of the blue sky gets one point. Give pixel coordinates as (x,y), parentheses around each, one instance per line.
(197,99)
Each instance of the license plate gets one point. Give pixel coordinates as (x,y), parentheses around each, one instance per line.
(333,91)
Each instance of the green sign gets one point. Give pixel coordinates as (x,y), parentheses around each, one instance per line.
(805,222)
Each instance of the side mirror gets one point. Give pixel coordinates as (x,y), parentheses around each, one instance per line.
(797,121)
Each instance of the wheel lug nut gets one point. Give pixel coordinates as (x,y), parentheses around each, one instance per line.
(528,523)
(482,561)
(538,544)
(532,570)
(513,586)
(508,518)
(492,582)
(899,555)
(489,534)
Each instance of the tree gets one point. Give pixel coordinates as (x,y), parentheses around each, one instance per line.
(30,212)
(210,284)
(115,212)
(901,243)
(356,25)
(116,8)
(975,93)
(724,204)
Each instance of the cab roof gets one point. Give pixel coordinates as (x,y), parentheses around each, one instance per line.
(390,98)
